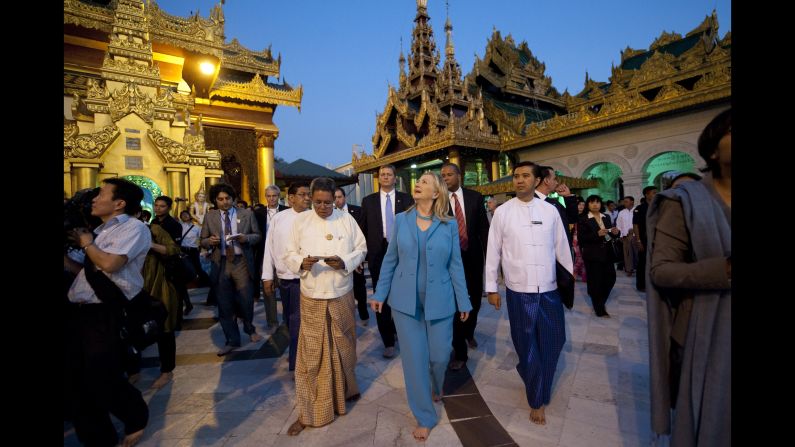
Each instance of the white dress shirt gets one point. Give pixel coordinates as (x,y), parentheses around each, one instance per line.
(526,238)
(460,195)
(310,237)
(624,221)
(383,208)
(279,231)
(120,235)
(191,238)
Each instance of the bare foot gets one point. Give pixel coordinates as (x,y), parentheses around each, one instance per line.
(437,397)
(132,439)
(537,416)
(162,380)
(296,428)
(421,433)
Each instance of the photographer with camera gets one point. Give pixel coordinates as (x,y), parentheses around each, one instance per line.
(95,349)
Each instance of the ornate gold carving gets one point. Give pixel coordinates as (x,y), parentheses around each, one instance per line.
(194,143)
(256,90)
(266,139)
(402,135)
(130,70)
(664,39)
(85,15)
(172,151)
(658,66)
(87,145)
(670,90)
(721,76)
(246,60)
(629,53)
(513,124)
(129,99)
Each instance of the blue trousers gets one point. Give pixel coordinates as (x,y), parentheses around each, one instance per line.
(538,333)
(424,351)
(290,293)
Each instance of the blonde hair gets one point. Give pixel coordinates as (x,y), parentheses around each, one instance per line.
(441,204)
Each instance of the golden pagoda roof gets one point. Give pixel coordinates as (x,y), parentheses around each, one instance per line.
(675,73)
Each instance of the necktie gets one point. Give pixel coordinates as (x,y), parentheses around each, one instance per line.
(463,239)
(227,231)
(390,218)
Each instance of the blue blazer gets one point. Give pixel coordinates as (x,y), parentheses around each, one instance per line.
(398,280)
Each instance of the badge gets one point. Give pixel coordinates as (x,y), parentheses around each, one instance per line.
(329,237)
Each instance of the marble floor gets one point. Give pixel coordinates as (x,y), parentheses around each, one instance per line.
(600,393)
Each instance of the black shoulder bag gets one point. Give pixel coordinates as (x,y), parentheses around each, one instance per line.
(142,319)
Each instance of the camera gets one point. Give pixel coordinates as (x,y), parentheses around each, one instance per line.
(77,214)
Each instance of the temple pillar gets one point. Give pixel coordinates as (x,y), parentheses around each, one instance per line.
(84,174)
(495,168)
(266,167)
(454,157)
(177,176)
(633,186)
(375,182)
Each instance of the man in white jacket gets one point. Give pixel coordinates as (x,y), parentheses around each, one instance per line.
(526,237)
(325,248)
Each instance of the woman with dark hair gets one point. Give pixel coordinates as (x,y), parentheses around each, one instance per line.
(689,301)
(579,264)
(595,233)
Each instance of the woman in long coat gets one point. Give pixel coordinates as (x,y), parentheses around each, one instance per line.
(595,232)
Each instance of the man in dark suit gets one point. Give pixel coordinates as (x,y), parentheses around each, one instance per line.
(359,284)
(263,216)
(378,221)
(231,233)
(467,207)
(639,225)
(568,215)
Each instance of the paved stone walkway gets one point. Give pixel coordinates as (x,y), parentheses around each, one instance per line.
(600,394)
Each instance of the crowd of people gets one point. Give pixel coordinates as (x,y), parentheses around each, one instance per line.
(432,255)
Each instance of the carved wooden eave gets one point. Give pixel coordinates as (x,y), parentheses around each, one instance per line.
(506,122)
(461,132)
(195,33)
(664,39)
(238,57)
(506,187)
(88,146)
(627,107)
(85,15)
(257,91)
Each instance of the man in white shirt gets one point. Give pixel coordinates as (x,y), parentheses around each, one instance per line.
(94,348)
(264,214)
(325,248)
(526,238)
(624,224)
(279,230)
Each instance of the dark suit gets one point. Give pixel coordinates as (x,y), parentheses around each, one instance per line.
(568,214)
(259,249)
(235,275)
(359,283)
(473,257)
(601,276)
(373,228)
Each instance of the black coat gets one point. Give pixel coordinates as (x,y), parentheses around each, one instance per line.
(477,234)
(593,246)
(372,225)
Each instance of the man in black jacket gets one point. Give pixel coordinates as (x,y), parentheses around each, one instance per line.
(359,283)
(467,207)
(378,220)
(568,215)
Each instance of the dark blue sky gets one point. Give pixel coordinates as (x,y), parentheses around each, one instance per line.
(345,52)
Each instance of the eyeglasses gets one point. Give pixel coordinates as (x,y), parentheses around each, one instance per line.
(319,204)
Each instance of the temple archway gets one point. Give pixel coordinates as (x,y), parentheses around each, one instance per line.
(150,188)
(608,176)
(661,169)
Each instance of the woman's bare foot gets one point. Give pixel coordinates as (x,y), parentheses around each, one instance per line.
(132,439)
(537,416)
(437,397)
(421,433)
(296,428)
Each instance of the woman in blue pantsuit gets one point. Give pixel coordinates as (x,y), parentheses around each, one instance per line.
(421,274)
